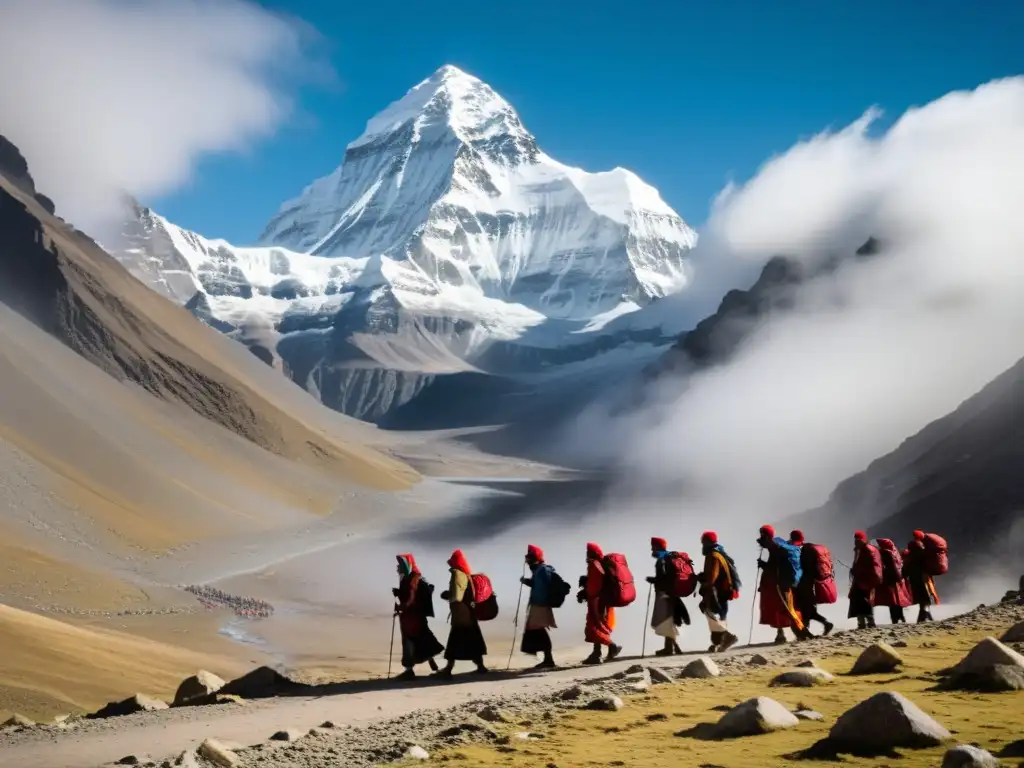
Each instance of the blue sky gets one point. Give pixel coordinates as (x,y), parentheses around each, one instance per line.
(687,94)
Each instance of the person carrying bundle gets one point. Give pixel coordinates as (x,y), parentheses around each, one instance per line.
(465,640)
(865,578)
(893,592)
(817,581)
(673,579)
(414,604)
(719,585)
(547,592)
(920,566)
(781,574)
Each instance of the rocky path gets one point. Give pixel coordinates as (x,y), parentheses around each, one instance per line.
(374,721)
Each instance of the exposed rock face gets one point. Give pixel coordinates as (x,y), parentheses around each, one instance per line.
(197,689)
(753,717)
(137,703)
(883,722)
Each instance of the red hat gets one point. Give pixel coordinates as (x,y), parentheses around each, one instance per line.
(919,535)
(860,536)
(458,562)
(594,551)
(409,560)
(658,544)
(796,536)
(709,537)
(535,553)
(768,531)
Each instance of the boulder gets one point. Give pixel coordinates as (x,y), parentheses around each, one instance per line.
(1013,749)
(416,752)
(998,678)
(988,653)
(217,753)
(752,717)
(260,683)
(606,704)
(197,689)
(137,703)
(883,722)
(967,756)
(876,659)
(1014,634)
(802,678)
(700,668)
(17,721)
(658,676)
(288,734)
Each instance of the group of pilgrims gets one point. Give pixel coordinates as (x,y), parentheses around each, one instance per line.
(794,579)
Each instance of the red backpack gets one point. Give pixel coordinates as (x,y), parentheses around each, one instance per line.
(684,577)
(817,562)
(619,589)
(936,556)
(869,574)
(485,603)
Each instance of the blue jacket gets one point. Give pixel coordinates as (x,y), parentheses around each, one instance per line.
(540,584)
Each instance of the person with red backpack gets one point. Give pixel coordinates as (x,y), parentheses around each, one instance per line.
(781,574)
(817,582)
(465,640)
(865,578)
(893,592)
(920,581)
(414,605)
(719,585)
(672,570)
(600,613)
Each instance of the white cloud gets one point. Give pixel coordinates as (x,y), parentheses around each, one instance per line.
(105,96)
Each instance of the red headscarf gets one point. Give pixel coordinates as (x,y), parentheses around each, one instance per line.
(594,552)
(768,531)
(861,537)
(919,535)
(796,536)
(709,537)
(887,544)
(535,553)
(458,562)
(658,544)
(410,561)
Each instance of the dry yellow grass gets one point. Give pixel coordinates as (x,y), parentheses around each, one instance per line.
(650,730)
(48,666)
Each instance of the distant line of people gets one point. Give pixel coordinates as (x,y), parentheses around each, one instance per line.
(795,579)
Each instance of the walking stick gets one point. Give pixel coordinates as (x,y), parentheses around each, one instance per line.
(391,649)
(515,622)
(647,612)
(753,604)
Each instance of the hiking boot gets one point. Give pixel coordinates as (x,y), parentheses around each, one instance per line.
(481,670)
(443,674)
(668,650)
(728,642)
(675,647)
(780,638)
(594,658)
(829,626)
(546,664)
(407,675)
(613,651)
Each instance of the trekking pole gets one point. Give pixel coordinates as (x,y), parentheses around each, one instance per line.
(753,604)
(391,649)
(647,612)
(515,622)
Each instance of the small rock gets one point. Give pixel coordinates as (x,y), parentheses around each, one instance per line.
(288,734)
(700,668)
(416,752)
(571,694)
(218,754)
(187,760)
(492,714)
(757,660)
(527,736)
(17,721)
(606,704)
(886,721)
(967,756)
(658,676)
(640,687)
(754,716)
(807,663)
(328,724)
(802,678)
(808,714)
(197,689)
(634,669)
(877,659)
(900,644)
(129,760)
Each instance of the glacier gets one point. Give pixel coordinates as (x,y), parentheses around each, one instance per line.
(446,243)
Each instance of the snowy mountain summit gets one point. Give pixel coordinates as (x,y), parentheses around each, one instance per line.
(444,232)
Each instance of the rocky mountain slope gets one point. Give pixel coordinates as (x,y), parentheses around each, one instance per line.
(445,243)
